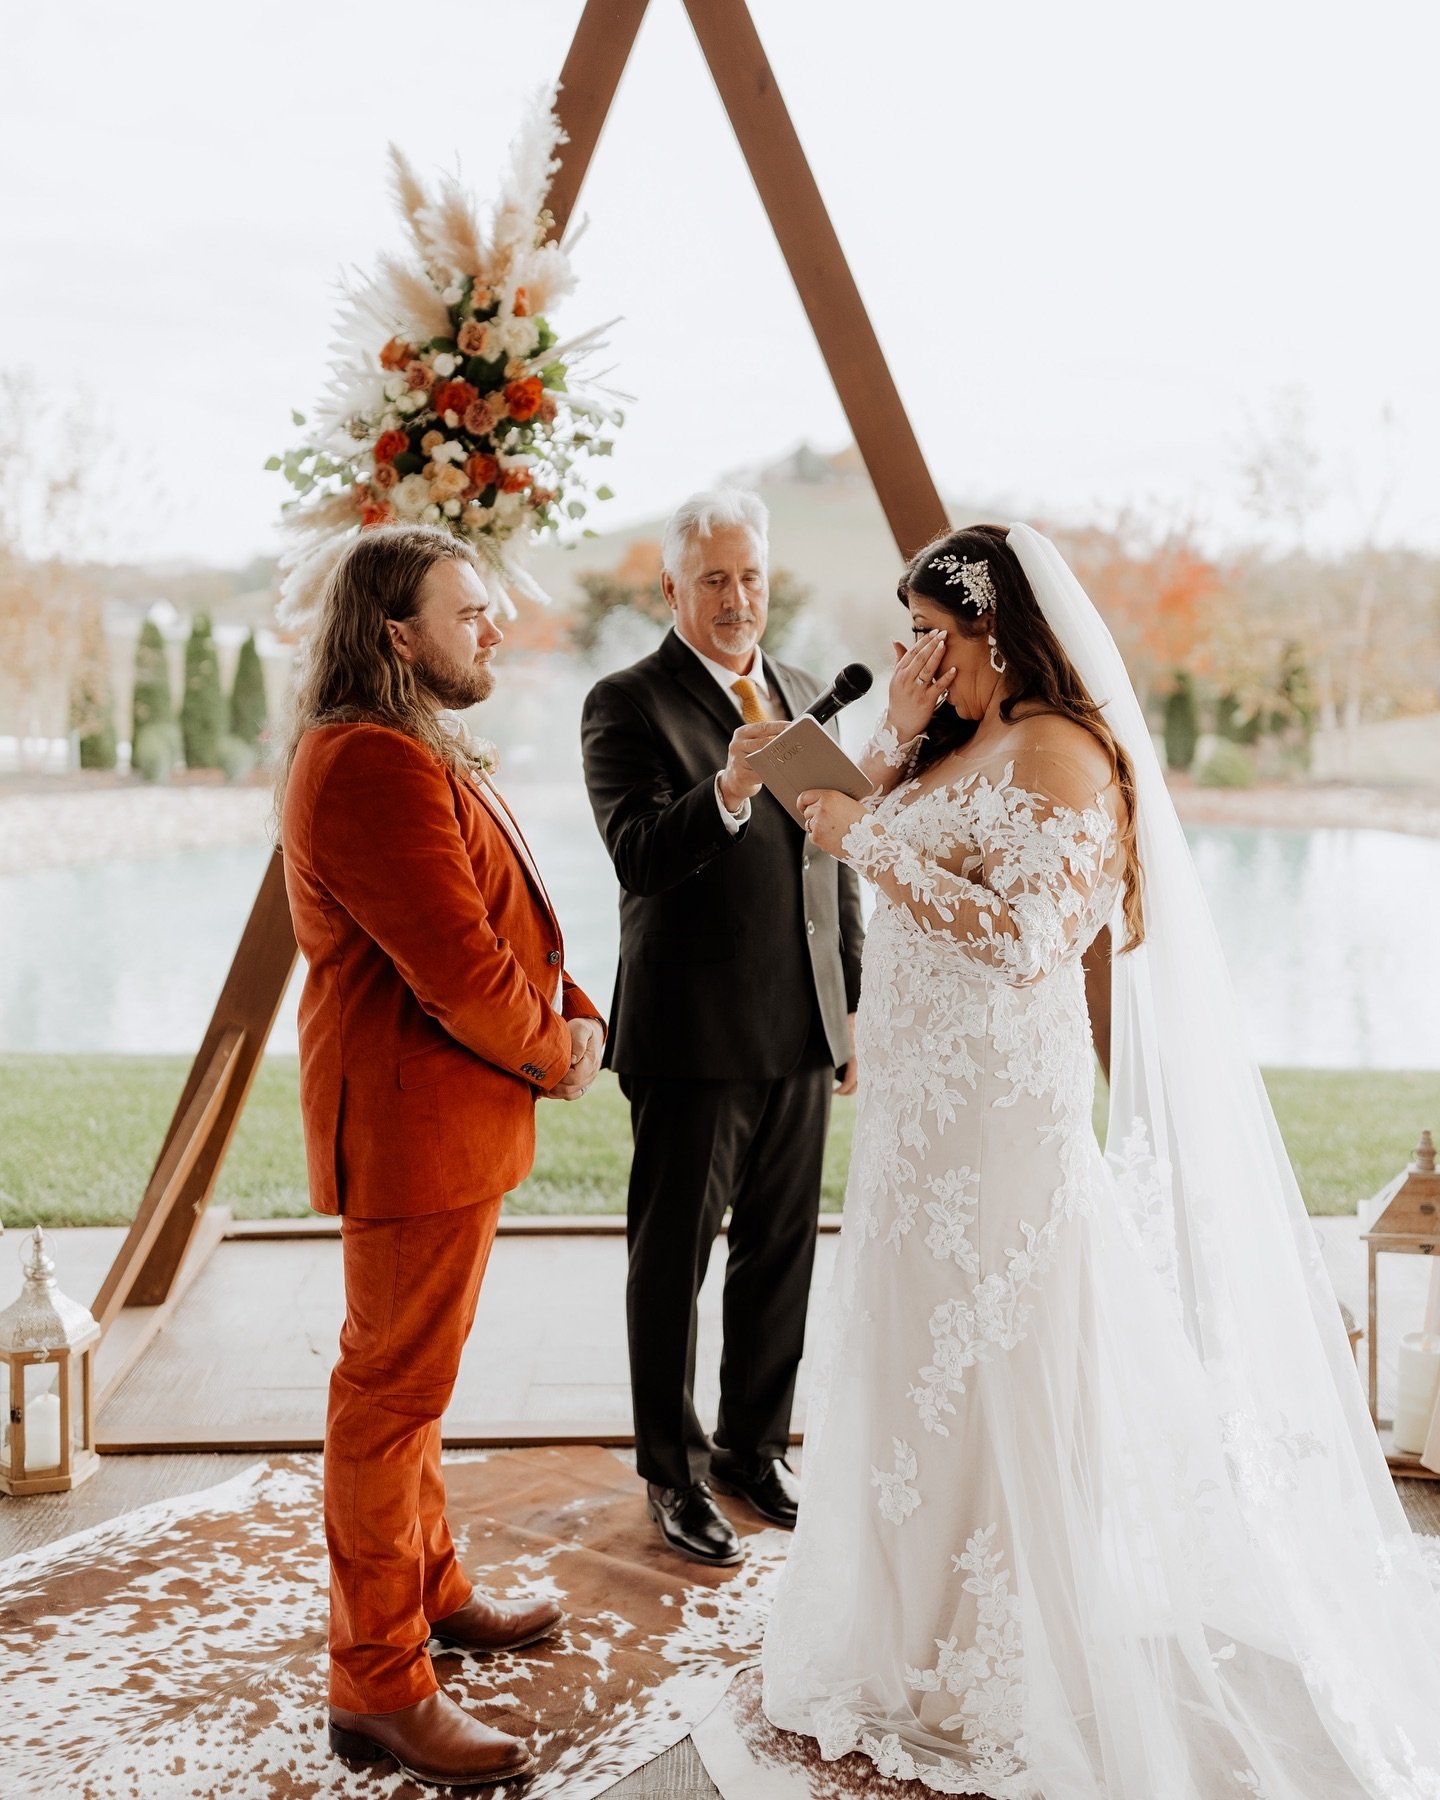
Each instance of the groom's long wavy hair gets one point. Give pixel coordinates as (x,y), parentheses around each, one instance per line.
(1039,670)
(349,670)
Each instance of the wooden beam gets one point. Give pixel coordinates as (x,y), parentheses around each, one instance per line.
(847,340)
(194,1119)
(135,1328)
(598,54)
(209,1107)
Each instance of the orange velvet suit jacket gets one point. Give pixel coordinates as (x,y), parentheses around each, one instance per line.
(428,1022)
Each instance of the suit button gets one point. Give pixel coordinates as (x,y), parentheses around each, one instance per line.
(804,862)
(810,927)
(552,958)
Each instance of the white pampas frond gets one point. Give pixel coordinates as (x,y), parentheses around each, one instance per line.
(410,301)
(410,199)
(546,275)
(522,196)
(318,539)
(454,231)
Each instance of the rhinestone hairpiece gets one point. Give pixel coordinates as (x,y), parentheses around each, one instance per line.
(973,578)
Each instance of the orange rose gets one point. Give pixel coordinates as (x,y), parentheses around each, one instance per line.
(548,410)
(417,376)
(484,471)
(389,445)
(384,476)
(524,397)
(376,512)
(395,355)
(515,481)
(453,396)
(520,305)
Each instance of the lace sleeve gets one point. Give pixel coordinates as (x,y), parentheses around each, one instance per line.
(1019,901)
(884,746)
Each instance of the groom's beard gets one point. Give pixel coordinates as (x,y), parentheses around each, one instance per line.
(453,684)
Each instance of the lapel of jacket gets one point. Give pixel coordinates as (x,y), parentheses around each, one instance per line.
(781,682)
(699,683)
(491,799)
(702,685)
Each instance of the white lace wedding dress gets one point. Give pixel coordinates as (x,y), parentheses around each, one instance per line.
(1059,1531)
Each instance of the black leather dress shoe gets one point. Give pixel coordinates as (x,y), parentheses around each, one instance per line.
(768,1484)
(691,1523)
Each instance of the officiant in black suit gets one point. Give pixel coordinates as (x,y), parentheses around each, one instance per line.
(734,1010)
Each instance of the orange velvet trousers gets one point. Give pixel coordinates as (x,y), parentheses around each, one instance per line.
(411,1287)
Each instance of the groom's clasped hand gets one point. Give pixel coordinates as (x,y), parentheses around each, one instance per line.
(587,1041)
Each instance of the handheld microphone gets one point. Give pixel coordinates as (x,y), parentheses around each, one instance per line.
(852,681)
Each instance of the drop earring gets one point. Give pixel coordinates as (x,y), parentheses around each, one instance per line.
(997,661)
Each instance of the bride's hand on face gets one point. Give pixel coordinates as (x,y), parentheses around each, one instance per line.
(917,684)
(828,816)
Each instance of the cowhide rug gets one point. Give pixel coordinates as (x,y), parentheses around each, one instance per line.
(179,1653)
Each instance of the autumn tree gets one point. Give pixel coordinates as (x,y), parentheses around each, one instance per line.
(92,694)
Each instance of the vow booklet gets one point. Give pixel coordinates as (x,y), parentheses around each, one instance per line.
(805,756)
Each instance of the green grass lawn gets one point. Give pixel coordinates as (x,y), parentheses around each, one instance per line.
(79,1136)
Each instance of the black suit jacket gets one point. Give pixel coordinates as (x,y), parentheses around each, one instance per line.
(727,942)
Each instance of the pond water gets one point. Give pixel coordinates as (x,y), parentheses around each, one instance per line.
(1330,935)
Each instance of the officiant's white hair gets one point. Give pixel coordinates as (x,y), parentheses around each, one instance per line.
(701,513)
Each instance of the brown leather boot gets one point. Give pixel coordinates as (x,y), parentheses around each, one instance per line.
(485,1624)
(434,1740)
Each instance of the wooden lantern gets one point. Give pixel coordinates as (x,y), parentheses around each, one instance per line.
(1409,1224)
(47,1365)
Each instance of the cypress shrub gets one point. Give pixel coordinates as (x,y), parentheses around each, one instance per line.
(249,711)
(202,710)
(1182,723)
(1231,726)
(151,703)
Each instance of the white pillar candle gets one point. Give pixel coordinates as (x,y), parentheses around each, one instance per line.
(1416,1393)
(42,1433)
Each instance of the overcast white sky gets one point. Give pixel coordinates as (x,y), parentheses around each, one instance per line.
(1094,238)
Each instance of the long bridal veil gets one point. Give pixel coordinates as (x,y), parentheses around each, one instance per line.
(1253,1560)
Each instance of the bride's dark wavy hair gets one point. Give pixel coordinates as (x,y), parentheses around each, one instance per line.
(1041,675)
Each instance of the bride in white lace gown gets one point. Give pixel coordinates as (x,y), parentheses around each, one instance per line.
(1092,1503)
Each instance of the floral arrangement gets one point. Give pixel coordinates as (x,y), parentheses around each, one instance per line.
(451,400)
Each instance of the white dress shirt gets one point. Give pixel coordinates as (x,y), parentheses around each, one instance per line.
(727,678)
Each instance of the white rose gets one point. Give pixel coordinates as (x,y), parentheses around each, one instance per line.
(411,496)
(452,509)
(430,516)
(411,401)
(445,365)
(450,452)
(493,348)
(394,387)
(453,294)
(519,336)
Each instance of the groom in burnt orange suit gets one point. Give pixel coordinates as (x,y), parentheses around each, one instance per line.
(435,1011)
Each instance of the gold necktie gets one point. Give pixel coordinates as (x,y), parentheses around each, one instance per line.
(752,708)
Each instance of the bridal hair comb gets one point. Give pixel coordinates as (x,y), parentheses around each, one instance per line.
(973,579)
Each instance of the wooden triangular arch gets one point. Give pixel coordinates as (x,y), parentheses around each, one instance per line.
(220,1079)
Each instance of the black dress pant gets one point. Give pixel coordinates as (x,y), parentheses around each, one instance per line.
(700,1146)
